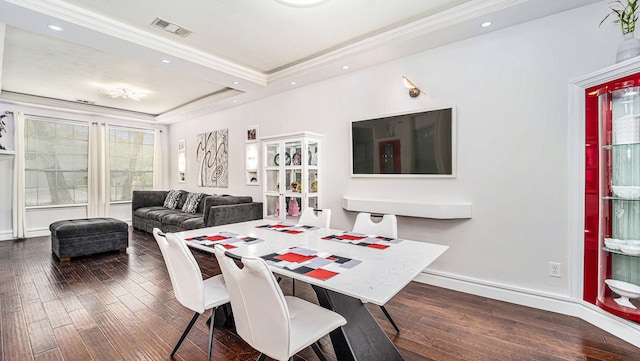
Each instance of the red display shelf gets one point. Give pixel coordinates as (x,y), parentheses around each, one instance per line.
(608,304)
(600,263)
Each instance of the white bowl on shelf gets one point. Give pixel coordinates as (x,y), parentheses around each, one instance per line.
(632,242)
(627,192)
(613,243)
(625,290)
(629,249)
(626,129)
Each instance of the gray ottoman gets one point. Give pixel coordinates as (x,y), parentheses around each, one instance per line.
(82,237)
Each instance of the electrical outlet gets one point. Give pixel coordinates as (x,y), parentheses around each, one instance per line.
(555,269)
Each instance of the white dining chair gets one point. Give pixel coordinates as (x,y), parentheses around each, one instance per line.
(387,227)
(278,326)
(315,217)
(189,288)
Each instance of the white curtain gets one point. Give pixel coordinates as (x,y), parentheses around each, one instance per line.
(105,168)
(157,159)
(98,188)
(19,209)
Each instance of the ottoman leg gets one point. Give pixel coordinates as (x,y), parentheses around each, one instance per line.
(65,259)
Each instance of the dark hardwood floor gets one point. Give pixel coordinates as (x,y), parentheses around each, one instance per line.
(119,306)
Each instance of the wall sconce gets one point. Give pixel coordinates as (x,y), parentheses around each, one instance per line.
(182,162)
(413,89)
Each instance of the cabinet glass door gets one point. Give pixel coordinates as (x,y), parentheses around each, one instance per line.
(312,161)
(272,203)
(617,186)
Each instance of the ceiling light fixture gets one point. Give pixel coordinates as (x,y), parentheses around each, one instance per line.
(301,3)
(413,89)
(124,93)
(55,27)
(166,61)
(486,24)
(293,83)
(345,67)
(235,82)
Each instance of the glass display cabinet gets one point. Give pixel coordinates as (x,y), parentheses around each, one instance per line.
(612,198)
(291,171)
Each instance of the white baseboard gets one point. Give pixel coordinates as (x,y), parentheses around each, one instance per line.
(5,236)
(619,327)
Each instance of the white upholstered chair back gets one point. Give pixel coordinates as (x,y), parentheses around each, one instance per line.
(316,217)
(184,271)
(259,307)
(387,227)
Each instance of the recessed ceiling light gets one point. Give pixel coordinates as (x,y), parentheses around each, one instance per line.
(485,24)
(345,67)
(166,61)
(293,83)
(235,101)
(301,3)
(55,27)
(235,82)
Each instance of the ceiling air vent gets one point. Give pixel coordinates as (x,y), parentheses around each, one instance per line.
(82,101)
(173,28)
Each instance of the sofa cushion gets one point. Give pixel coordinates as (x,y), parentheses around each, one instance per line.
(193,223)
(191,203)
(142,212)
(183,198)
(173,197)
(179,218)
(159,214)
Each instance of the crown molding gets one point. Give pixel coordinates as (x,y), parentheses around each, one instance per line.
(72,107)
(421,27)
(111,27)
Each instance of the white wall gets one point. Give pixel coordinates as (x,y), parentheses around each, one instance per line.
(510,89)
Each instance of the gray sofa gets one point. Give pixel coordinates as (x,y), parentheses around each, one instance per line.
(213,210)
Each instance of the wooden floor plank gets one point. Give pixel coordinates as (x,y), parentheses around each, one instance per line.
(98,345)
(71,346)
(15,338)
(41,336)
(56,313)
(120,306)
(51,355)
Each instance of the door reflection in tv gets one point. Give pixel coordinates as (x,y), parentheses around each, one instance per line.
(418,143)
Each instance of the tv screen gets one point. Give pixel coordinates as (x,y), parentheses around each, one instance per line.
(419,144)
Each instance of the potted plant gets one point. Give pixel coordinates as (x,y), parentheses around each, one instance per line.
(625,13)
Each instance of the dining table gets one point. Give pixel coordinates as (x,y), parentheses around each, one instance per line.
(345,269)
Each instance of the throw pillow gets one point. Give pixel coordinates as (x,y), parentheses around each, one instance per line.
(171,201)
(191,204)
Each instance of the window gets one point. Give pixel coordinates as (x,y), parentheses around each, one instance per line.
(130,162)
(55,162)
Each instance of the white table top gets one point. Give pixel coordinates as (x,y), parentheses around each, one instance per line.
(380,276)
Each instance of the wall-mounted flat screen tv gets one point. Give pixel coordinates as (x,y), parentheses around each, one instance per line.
(414,144)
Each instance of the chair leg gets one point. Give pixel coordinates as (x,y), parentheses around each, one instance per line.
(184,334)
(389,318)
(318,352)
(213,317)
(261,357)
(293,287)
